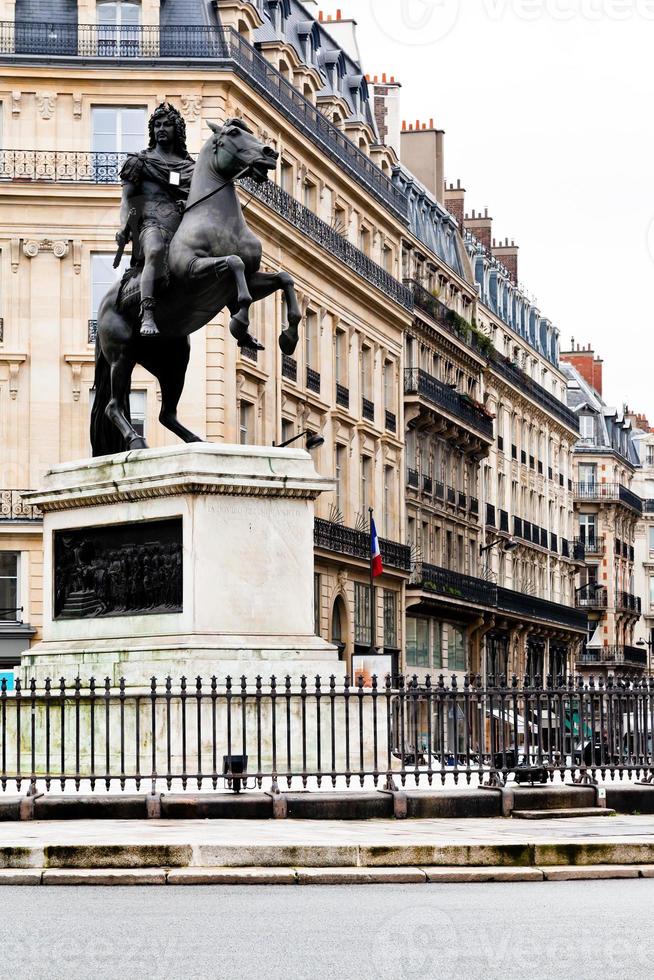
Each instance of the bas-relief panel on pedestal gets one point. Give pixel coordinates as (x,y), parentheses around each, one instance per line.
(121,570)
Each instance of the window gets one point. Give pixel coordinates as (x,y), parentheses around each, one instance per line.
(588,528)
(246,418)
(588,474)
(286,176)
(118,129)
(587,428)
(340,355)
(390,618)
(387,259)
(137,411)
(362,620)
(366,467)
(340,477)
(650,532)
(9,594)
(103,276)
(388,502)
(651,591)
(118,27)
(309,195)
(311,339)
(287,430)
(340,220)
(316,604)
(389,392)
(437,646)
(366,372)
(456,651)
(364,240)
(417,642)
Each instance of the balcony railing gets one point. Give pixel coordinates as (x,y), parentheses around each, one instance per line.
(13,507)
(454,585)
(437,311)
(313,380)
(511,372)
(648,506)
(289,367)
(504,521)
(342,396)
(328,238)
(368,409)
(413,478)
(490,515)
(625,602)
(427,485)
(348,541)
(591,597)
(418,382)
(92,331)
(443,581)
(608,491)
(390,421)
(630,656)
(218,48)
(592,546)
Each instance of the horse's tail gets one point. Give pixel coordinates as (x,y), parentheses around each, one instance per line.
(105,437)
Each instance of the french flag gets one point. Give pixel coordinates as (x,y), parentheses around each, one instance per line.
(375,553)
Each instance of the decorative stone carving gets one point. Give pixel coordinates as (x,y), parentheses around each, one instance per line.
(77,256)
(59,249)
(14,251)
(77,105)
(45,103)
(16,96)
(191,106)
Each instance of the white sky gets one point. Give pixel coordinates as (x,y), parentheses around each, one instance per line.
(548,107)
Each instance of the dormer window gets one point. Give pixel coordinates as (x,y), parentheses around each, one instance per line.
(118,27)
(587,428)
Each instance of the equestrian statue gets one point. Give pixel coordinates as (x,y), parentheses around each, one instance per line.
(192,256)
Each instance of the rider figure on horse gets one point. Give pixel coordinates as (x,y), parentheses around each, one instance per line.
(156,185)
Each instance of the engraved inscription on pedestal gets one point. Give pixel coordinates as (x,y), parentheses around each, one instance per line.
(119,570)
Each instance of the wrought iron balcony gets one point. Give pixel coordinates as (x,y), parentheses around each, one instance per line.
(328,238)
(330,536)
(541,609)
(368,409)
(627,655)
(565,547)
(249,354)
(592,545)
(342,396)
(313,380)
(591,597)
(514,374)
(390,421)
(13,507)
(504,521)
(289,367)
(625,602)
(439,490)
(413,478)
(451,495)
(218,48)
(490,515)
(418,382)
(474,506)
(554,543)
(92,331)
(578,550)
(427,485)
(454,585)
(648,506)
(614,492)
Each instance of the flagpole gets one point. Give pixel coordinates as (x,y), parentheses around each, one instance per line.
(373,607)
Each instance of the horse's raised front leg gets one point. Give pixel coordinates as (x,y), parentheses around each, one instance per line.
(239,325)
(262,284)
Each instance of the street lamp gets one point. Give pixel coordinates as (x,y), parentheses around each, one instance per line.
(649,644)
(314,441)
(508,544)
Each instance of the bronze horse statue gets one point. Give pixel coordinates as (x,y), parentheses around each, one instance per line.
(214,262)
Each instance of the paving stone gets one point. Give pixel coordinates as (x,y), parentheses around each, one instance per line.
(232,876)
(591,872)
(482,874)
(105,876)
(360,876)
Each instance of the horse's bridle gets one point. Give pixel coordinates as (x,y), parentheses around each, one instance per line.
(216,190)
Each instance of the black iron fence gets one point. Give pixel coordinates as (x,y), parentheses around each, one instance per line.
(284,733)
(514,374)
(608,491)
(331,536)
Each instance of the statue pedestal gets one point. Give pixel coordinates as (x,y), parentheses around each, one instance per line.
(195,560)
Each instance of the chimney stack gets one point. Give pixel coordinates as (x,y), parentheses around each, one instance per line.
(422,151)
(386,106)
(507,254)
(455,198)
(589,366)
(481,226)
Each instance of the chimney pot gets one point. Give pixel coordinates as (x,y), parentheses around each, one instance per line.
(384,77)
(431,123)
(321,16)
(338,14)
(392,79)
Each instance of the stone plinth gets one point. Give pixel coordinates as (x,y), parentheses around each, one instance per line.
(244,520)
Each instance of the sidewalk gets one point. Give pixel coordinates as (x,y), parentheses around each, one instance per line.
(299,851)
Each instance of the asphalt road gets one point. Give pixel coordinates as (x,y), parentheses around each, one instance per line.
(551,930)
